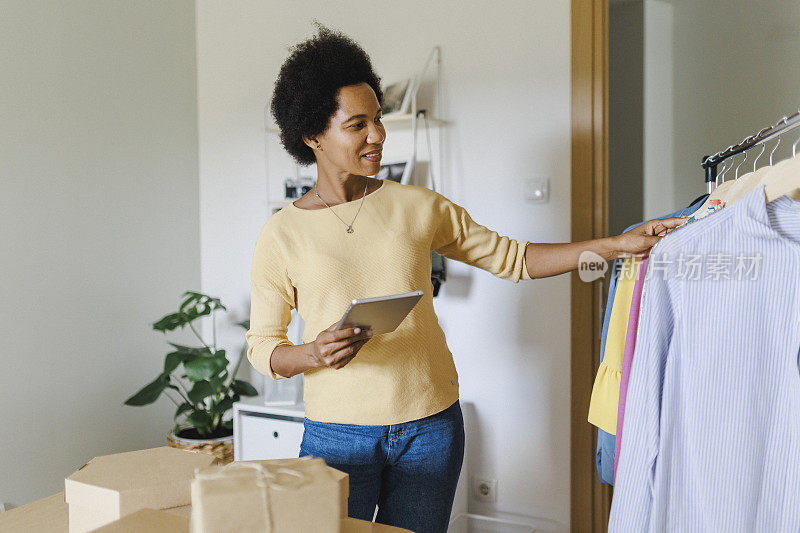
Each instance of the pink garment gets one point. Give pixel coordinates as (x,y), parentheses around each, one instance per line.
(627,357)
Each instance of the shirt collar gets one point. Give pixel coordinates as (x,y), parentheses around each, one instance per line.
(780,217)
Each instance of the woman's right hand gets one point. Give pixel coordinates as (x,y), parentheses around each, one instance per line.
(335,348)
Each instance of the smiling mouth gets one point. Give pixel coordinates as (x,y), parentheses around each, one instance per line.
(374,157)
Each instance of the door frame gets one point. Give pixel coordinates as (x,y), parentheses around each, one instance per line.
(590,501)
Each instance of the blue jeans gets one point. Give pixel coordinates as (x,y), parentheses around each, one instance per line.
(410,470)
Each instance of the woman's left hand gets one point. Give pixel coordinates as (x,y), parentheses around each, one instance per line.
(642,238)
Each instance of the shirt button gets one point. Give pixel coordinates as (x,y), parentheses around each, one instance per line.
(453,382)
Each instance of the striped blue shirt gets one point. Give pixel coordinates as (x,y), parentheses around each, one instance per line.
(711,437)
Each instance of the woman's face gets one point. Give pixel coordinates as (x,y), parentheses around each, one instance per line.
(353,142)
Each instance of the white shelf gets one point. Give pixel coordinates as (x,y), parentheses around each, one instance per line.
(394,119)
(256,404)
(405,120)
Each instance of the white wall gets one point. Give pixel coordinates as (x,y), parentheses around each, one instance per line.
(714,73)
(98,226)
(641,129)
(506,74)
(735,73)
(658,102)
(625,114)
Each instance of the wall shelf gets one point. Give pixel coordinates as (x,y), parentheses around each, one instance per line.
(395,119)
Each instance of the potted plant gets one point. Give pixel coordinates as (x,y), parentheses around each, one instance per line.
(208,391)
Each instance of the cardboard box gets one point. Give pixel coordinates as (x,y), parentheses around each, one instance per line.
(280,496)
(49,515)
(147,521)
(348,525)
(110,487)
(183,510)
(341,478)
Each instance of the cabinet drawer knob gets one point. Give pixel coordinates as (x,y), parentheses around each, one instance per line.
(275,434)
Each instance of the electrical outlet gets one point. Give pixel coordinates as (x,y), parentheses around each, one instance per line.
(485,490)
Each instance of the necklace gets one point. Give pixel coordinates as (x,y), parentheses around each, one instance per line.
(350,226)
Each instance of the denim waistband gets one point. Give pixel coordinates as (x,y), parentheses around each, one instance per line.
(452,412)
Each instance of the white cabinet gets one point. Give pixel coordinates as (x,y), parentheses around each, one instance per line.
(266,432)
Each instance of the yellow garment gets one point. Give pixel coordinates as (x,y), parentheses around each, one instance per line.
(605,393)
(304,259)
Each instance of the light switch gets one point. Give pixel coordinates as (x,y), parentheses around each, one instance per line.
(537,190)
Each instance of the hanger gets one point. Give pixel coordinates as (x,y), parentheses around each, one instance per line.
(786,180)
(751,180)
(759,177)
(717,195)
(781,179)
(736,176)
(778,180)
(776,146)
(763,147)
(726,166)
(696,200)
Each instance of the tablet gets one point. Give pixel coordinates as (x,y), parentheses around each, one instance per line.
(382,314)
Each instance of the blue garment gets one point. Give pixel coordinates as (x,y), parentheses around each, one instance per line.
(711,437)
(409,470)
(606,442)
(604,457)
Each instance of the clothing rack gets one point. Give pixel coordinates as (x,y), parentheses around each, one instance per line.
(710,162)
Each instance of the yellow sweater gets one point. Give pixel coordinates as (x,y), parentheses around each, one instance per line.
(305,260)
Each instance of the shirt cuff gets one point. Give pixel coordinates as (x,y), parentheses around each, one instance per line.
(525,274)
(272,373)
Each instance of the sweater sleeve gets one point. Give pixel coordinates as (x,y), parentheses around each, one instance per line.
(272,298)
(461,238)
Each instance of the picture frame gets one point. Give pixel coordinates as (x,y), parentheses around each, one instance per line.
(397,97)
(399,171)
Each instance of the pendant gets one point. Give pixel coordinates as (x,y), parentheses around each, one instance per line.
(349,229)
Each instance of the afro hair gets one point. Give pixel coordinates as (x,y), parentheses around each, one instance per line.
(304,99)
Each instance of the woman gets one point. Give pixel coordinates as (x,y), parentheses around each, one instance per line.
(385,409)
